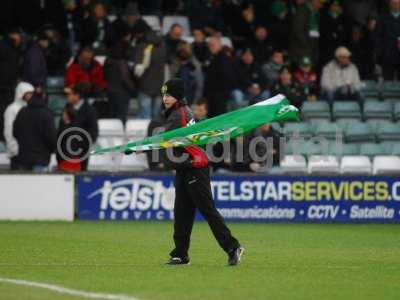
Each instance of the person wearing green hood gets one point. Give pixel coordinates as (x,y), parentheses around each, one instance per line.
(305,33)
(333,31)
(279,24)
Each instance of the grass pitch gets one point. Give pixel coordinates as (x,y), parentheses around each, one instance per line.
(281,262)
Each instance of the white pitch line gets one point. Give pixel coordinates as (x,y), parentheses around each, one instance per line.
(63,290)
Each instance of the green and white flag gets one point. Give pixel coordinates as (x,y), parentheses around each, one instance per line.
(217,129)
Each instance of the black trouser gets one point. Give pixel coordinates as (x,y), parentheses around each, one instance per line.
(193,190)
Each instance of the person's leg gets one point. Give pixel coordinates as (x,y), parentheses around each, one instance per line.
(145,105)
(199,189)
(121,106)
(184,213)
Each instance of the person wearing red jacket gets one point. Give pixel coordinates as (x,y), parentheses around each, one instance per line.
(192,183)
(85,69)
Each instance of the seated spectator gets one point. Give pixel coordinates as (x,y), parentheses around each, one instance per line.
(34,67)
(87,70)
(340,78)
(150,59)
(120,81)
(36,135)
(172,40)
(255,94)
(248,72)
(261,45)
(83,117)
(188,68)
(199,46)
(23,93)
(272,67)
(58,53)
(95,31)
(307,79)
(200,110)
(288,87)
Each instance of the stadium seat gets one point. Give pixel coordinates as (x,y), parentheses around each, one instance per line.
(4,161)
(383,164)
(188,39)
(104,162)
(111,17)
(100,59)
(360,165)
(294,164)
(303,130)
(323,164)
(359,132)
(377,109)
(315,109)
(376,123)
(110,127)
(226,41)
(53,163)
(388,131)
(371,149)
(312,147)
(136,129)
(343,149)
(109,141)
(390,89)
(56,103)
(344,123)
(168,21)
(397,111)
(3,147)
(133,162)
(153,21)
(55,84)
(328,130)
(370,89)
(346,109)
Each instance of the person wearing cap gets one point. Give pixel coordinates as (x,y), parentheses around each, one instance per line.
(340,78)
(306,79)
(192,182)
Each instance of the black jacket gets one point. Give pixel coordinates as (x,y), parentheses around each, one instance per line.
(249,74)
(386,42)
(35,132)
(10,64)
(219,74)
(34,68)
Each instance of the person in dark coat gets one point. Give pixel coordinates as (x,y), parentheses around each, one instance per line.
(244,26)
(199,46)
(333,31)
(120,84)
(192,183)
(360,46)
(279,25)
(219,78)
(85,118)
(35,131)
(172,40)
(34,67)
(387,41)
(58,53)
(261,45)
(288,87)
(10,70)
(95,31)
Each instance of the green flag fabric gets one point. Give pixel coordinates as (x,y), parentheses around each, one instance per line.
(217,129)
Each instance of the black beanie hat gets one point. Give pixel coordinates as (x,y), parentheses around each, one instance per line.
(175,88)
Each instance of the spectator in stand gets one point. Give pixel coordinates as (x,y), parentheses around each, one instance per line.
(287,86)
(23,93)
(243,28)
(273,66)
(248,72)
(304,38)
(200,110)
(340,78)
(34,67)
(36,135)
(10,68)
(120,84)
(219,78)
(88,70)
(205,14)
(333,31)
(306,79)
(387,43)
(95,31)
(359,11)
(255,94)
(199,46)
(188,68)
(58,53)
(69,23)
(129,21)
(83,117)
(279,26)
(150,59)
(360,46)
(261,45)
(172,40)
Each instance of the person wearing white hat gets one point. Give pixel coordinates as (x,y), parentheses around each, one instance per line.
(340,78)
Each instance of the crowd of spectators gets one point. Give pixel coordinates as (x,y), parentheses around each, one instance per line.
(305,49)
